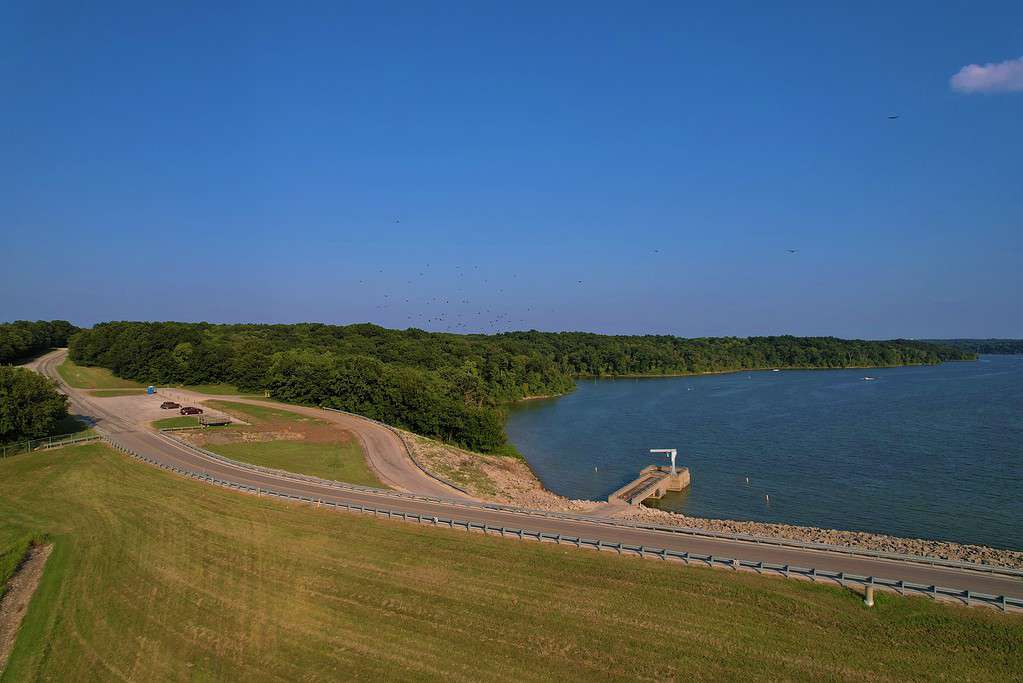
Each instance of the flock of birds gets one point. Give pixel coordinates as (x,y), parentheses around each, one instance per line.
(461,313)
(469,306)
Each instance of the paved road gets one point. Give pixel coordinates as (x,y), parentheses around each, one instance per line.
(167,451)
(383,448)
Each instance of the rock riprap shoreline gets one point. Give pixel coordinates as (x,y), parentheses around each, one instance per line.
(510,481)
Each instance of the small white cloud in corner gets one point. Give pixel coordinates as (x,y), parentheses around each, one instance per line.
(1004,76)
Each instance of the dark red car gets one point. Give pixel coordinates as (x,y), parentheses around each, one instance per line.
(189,410)
(169,404)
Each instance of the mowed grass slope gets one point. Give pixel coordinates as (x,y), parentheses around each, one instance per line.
(156,577)
(82,377)
(321,451)
(339,461)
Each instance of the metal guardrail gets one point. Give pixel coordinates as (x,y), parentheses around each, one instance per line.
(843,579)
(676,530)
(45,443)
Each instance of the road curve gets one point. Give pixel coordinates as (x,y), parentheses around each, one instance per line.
(384,450)
(170,452)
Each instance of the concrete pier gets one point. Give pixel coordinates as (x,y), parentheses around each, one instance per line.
(653,482)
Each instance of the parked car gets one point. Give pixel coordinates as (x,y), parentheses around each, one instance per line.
(169,404)
(190,410)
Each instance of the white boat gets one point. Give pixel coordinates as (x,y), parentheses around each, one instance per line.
(775,370)
(868,379)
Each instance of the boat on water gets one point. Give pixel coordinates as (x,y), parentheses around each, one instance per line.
(775,370)
(869,379)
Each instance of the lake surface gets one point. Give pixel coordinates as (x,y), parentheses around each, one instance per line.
(925,452)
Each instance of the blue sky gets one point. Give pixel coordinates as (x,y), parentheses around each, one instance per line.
(249,163)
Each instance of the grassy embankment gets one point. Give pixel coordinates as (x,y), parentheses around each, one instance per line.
(220,390)
(289,441)
(155,577)
(109,393)
(179,421)
(82,377)
(105,383)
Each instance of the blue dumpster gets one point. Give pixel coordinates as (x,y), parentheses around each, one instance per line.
(150,390)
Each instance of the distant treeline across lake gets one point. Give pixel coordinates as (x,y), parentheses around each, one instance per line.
(450,386)
(989,346)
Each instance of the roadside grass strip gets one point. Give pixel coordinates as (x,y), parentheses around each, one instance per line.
(82,377)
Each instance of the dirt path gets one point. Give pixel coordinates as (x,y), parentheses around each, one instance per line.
(14,604)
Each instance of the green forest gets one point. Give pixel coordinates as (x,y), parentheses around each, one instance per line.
(994,346)
(23,339)
(449,386)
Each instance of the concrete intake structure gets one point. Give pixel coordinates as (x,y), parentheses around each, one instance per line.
(653,482)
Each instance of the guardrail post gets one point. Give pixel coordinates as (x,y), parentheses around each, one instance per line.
(1001,602)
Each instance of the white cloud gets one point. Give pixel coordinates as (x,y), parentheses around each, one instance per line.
(1004,76)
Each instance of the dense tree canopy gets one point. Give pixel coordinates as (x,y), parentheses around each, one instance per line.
(30,406)
(996,346)
(446,385)
(23,338)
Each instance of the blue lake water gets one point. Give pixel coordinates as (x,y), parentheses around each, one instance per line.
(925,452)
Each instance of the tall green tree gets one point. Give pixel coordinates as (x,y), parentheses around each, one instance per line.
(30,406)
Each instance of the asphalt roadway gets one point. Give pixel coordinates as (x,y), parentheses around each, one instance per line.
(169,452)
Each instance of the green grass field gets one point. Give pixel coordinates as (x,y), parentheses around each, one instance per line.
(220,390)
(82,377)
(108,393)
(260,413)
(155,577)
(337,461)
(177,421)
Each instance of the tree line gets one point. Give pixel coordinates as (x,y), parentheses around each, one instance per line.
(449,386)
(993,346)
(23,338)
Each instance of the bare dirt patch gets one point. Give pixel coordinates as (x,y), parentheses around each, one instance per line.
(491,477)
(261,430)
(19,592)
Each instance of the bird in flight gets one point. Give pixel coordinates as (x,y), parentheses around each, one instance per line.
(893,117)
(792,251)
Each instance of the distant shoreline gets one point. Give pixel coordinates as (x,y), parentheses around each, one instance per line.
(677,375)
